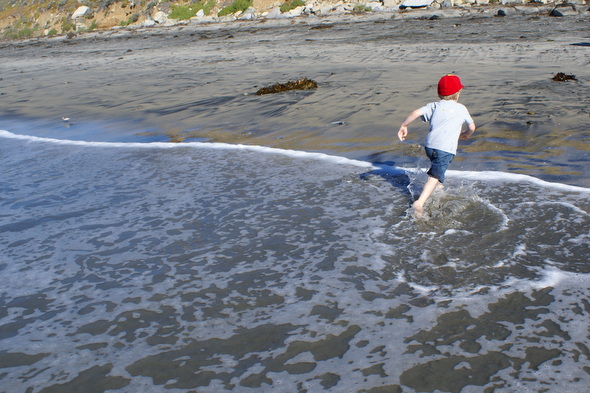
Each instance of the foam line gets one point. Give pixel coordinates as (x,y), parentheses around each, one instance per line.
(468,175)
(565,204)
(493,175)
(500,212)
(207,145)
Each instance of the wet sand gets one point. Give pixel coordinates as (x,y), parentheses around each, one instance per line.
(160,268)
(198,82)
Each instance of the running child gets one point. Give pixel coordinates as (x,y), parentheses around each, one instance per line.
(447,118)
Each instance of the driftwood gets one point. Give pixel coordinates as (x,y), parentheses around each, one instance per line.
(301,84)
(321,27)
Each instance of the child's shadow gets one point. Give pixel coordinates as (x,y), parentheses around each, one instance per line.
(395,176)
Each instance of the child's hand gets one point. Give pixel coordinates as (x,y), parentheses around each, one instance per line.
(403,130)
(467,133)
(402,133)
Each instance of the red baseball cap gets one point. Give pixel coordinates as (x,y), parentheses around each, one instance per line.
(449,85)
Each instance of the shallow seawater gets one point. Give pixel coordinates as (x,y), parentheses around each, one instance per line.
(204,267)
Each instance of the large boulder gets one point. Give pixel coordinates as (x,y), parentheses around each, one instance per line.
(161,17)
(82,12)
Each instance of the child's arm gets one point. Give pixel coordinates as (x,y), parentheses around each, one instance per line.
(403,130)
(467,133)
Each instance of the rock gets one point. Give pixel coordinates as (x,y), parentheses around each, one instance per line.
(294,12)
(506,11)
(82,12)
(322,9)
(149,23)
(563,10)
(249,14)
(161,17)
(339,10)
(200,13)
(274,13)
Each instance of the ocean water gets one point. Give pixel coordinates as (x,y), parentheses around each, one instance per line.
(209,267)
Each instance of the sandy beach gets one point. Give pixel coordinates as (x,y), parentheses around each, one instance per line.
(259,265)
(198,82)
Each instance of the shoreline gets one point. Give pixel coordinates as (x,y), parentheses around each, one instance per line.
(340,15)
(198,82)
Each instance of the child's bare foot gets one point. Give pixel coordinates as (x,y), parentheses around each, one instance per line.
(440,187)
(418,208)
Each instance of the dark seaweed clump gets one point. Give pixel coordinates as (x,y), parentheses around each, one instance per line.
(301,84)
(561,77)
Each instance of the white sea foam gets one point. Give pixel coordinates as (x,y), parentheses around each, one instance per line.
(513,177)
(467,175)
(565,204)
(551,277)
(201,145)
(181,254)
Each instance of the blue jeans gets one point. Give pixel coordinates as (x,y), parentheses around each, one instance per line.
(439,162)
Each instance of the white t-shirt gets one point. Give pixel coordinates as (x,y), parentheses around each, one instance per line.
(446,118)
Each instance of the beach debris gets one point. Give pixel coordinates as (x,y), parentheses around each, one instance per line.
(562,77)
(177,138)
(415,4)
(301,84)
(322,26)
(66,122)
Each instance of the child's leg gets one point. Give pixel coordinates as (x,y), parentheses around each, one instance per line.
(429,187)
(439,162)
